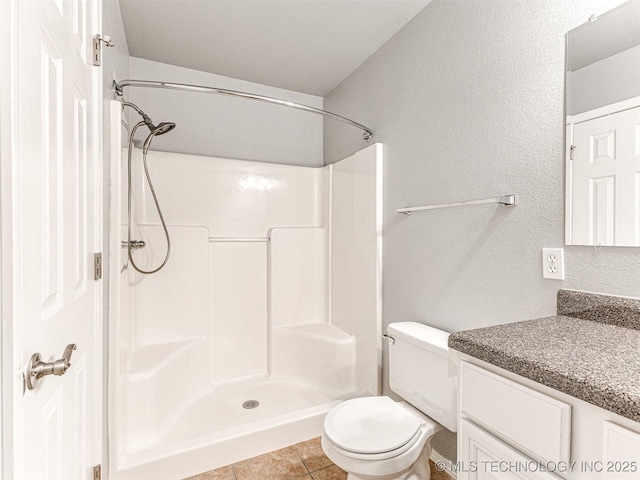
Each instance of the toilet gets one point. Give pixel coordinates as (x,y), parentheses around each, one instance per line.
(377,438)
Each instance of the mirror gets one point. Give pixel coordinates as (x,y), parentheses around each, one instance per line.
(603,129)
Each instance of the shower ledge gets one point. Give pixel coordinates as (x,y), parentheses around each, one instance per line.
(319,331)
(149,358)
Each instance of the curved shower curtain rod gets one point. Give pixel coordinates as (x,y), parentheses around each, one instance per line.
(118,89)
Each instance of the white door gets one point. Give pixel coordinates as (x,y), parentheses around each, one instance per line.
(56,228)
(606,180)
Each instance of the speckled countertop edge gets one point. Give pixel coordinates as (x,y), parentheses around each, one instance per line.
(594,361)
(620,311)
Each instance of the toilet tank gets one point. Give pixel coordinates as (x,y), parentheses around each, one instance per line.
(419,370)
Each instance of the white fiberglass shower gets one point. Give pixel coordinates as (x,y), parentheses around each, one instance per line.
(266,315)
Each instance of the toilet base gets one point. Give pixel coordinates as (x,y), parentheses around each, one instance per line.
(420,470)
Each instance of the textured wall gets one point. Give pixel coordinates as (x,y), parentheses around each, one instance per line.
(217,126)
(468,102)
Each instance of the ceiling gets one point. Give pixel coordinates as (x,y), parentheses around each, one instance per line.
(307,46)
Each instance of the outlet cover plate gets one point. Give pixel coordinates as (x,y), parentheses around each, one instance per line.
(553,263)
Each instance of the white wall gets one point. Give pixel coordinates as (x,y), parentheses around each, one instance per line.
(219,126)
(468,102)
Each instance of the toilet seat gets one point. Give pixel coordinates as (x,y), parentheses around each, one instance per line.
(372,428)
(378,456)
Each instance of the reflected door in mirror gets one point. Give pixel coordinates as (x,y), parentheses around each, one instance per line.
(606,180)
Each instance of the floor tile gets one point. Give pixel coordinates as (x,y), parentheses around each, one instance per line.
(312,455)
(437,474)
(284,464)
(330,473)
(303,461)
(224,473)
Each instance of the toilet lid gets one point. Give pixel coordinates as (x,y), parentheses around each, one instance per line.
(370,425)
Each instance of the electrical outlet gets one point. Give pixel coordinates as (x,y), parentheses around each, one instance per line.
(553,263)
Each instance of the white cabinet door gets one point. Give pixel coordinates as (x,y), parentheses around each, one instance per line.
(621,452)
(481,456)
(56,228)
(606,180)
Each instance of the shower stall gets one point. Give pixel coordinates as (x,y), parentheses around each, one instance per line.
(266,314)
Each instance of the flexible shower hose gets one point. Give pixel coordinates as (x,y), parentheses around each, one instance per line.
(145,148)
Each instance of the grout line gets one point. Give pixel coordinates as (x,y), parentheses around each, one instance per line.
(302,460)
(320,469)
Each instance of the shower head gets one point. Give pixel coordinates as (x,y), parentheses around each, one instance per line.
(163,128)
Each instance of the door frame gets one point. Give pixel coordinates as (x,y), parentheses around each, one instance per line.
(11,366)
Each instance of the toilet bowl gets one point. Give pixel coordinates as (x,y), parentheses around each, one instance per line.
(377,438)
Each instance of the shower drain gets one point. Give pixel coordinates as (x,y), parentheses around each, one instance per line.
(250,404)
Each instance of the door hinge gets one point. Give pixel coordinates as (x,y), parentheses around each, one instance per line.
(97,266)
(97,47)
(572,152)
(97,472)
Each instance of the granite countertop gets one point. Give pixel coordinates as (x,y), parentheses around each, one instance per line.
(595,358)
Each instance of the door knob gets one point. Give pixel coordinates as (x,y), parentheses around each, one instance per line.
(36,369)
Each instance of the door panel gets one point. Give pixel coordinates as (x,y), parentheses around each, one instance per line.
(606,180)
(56,229)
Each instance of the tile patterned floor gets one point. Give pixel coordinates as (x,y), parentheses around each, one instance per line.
(303,461)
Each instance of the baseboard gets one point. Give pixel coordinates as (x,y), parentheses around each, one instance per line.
(440,460)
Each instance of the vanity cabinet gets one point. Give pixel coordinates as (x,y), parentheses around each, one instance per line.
(510,427)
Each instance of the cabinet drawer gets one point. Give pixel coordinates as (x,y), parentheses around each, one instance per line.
(534,422)
(487,458)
